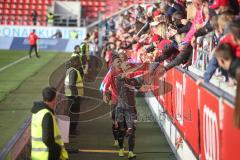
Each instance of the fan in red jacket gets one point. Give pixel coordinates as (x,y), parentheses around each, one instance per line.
(230,40)
(32,38)
(232,4)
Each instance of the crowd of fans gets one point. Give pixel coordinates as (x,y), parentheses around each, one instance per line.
(172,33)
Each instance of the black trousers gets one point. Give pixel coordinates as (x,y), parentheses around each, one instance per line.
(74,111)
(35,22)
(35,49)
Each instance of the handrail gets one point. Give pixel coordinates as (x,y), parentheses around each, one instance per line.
(209,86)
(113,15)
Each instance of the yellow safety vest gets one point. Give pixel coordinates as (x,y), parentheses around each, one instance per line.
(73,35)
(85,46)
(79,83)
(39,149)
(50,18)
(75,54)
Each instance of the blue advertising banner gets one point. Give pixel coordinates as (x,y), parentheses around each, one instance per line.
(43,44)
(5,43)
(41,31)
(71,44)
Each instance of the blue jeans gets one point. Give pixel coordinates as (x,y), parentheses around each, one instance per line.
(211,68)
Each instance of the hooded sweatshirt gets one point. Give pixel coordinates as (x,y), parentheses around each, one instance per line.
(48,131)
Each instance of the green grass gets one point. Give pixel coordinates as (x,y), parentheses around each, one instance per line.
(13,76)
(7,57)
(21,85)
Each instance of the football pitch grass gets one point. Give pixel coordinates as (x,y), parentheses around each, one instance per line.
(20,85)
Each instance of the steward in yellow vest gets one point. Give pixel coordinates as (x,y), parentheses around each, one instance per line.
(45,137)
(74,77)
(85,53)
(77,52)
(74,35)
(50,19)
(73,85)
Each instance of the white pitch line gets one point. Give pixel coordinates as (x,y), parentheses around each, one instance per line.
(13,63)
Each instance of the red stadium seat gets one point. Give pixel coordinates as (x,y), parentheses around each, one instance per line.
(26,6)
(83,3)
(19,6)
(24,23)
(89,3)
(96,3)
(25,19)
(44,7)
(102,9)
(19,12)
(102,3)
(33,2)
(95,9)
(9,22)
(22,8)
(12,11)
(29,23)
(13,6)
(16,23)
(25,12)
(6,11)
(6,5)
(16,20)
(49,1)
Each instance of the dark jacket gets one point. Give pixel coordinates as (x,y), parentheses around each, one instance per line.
(184,28)
(233,67)
(183,57)
(126,94)
(48,131)
(204,30)
(234,5)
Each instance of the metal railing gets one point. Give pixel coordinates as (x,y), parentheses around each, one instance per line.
(66,20)
(201,56)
